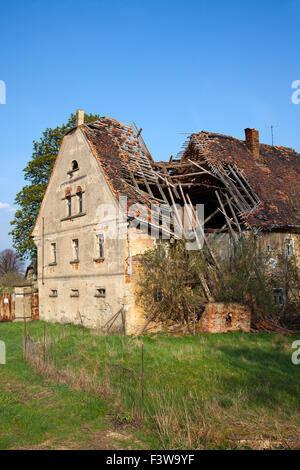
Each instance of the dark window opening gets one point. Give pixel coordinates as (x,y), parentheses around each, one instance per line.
(228,320)
(80,203)
(75,165)
(158,294)
(278,296)
(100,238)
(53,293)
(74,293)
(69,206)
(289,246)
(100,292)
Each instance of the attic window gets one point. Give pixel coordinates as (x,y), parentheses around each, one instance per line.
(75,165)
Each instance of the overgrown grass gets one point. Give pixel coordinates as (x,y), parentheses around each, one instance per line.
(37,412)
(232,390)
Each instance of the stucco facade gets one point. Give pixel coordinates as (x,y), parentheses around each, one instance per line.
(77,283)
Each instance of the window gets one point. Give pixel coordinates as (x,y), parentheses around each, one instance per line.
(75,249)
(74,165)
(272,262)
(158,294)
(53,293)
(80,202)
(100,243)
(69,206)
(74,293)
(269,248)
(100,292)
(53,253)
(278,296)
(289,247)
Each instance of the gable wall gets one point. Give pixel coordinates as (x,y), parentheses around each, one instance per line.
(87,275)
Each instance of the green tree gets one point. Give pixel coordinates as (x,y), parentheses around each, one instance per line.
(37,174)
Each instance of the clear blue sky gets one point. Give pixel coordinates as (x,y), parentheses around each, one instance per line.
(170,65)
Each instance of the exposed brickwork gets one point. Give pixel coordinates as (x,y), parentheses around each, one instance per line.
(220,318)
(252,141)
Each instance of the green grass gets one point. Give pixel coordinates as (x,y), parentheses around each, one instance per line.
(209,391)
(39,413)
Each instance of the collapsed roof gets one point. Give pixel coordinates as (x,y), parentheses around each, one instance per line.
(244,183)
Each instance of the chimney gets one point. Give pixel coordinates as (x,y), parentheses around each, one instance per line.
(252,141)
(79,117)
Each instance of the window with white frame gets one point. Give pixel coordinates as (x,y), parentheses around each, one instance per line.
(289,246)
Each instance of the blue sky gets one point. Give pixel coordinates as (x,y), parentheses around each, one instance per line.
(171,66)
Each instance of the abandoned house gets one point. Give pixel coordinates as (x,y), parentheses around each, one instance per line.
(89,231)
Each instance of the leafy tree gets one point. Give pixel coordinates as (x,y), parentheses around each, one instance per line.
(37,174)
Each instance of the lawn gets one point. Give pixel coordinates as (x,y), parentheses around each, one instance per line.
(223,391)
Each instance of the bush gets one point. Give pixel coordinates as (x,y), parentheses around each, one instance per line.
(175,283)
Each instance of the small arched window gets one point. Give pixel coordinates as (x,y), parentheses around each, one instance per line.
(75,165)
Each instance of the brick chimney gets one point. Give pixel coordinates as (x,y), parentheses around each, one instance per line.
(252,141)
(79,117)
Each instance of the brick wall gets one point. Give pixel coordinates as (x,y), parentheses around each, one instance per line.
(220,318)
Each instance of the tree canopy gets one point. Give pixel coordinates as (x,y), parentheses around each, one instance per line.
(37,174)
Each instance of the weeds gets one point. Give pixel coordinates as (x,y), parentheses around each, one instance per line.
(225,391)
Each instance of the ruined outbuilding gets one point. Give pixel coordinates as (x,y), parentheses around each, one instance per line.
(105,184)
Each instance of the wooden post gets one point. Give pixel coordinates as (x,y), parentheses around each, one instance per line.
(25,332)
(142,381)
(44,348)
